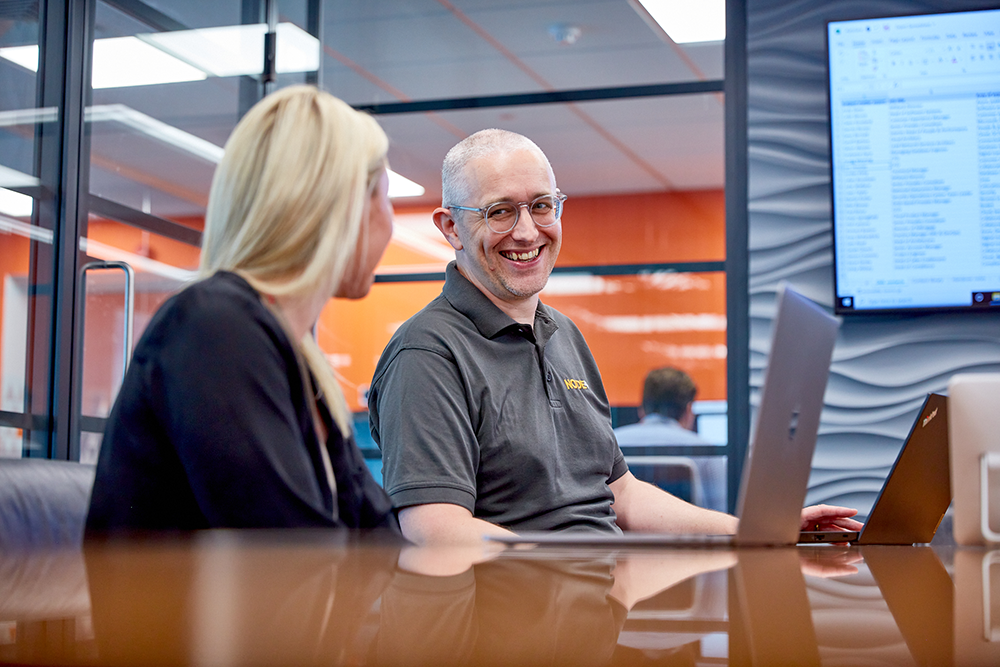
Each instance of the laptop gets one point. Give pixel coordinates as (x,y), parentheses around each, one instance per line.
(917,492)
(779,458)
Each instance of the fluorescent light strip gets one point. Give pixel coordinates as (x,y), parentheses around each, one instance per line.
(238,50)
(110,253)
(121,62)
(26,56)
(187,55)
(401,186)
(155,129)
(10,226)
(15,204)
(685,21)
(12,178)
(28,116)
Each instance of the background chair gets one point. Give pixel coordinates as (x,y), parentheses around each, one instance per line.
(43,503)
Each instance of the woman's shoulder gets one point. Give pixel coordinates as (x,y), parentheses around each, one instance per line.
(222,289)
(218,296)
(218,310)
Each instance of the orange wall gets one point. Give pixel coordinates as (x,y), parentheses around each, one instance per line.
(14,260)
(632,323)
(644,229)
(145,244)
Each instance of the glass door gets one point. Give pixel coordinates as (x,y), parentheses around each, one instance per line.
(30,124)
(170,80)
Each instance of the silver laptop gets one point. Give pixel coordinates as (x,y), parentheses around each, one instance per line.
(917,492)
(776,474)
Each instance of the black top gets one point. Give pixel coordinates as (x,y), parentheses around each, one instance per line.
(212,428)
(507,420)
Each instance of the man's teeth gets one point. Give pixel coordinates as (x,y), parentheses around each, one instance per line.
(521,256)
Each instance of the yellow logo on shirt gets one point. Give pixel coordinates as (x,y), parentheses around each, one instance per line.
(576,384)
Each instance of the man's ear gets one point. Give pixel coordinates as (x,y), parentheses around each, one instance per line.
(445,222)
(687,419)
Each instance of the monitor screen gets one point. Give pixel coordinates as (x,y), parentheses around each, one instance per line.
(915,150)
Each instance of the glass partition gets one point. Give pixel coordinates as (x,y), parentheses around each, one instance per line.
(114,114)
(26,236)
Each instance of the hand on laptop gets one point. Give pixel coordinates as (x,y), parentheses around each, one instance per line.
(829,517)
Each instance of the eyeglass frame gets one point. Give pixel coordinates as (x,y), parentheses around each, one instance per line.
(558,197)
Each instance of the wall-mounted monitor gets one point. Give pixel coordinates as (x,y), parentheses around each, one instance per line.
(915,148)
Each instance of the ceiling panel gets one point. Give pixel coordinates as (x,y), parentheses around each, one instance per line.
(403,50)
(464,48)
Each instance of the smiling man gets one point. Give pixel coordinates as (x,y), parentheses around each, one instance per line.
(487,404)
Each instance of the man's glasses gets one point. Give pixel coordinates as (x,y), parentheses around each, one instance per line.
(502,216)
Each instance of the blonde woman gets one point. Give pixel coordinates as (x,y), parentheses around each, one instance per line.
(230,415)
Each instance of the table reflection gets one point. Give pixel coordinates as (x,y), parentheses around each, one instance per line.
(224,598)
(534,606)
(977,607)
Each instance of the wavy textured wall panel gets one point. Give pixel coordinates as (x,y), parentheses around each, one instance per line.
(883,366)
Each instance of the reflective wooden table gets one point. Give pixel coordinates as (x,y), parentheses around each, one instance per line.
(228,598)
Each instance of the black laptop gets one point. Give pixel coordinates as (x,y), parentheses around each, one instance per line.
(917,492)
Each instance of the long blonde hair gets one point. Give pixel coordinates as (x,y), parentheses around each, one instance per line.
(287,200)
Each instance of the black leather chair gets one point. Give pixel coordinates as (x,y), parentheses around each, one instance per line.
(43,503)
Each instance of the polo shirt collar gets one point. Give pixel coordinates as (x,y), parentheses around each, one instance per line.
(467,299)
(657,418)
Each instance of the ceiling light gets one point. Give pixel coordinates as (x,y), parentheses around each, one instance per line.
(155,129)
(128,61)
(400,186)
(110,253)
(25,56)
(238,50)
(10,226)
(15,204)
(685,21)
(120,62)
(188,55)
(28,116)
(12,178)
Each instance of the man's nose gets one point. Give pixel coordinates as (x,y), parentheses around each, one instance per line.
(525,229)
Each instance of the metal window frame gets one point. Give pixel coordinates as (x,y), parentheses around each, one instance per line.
(737,239)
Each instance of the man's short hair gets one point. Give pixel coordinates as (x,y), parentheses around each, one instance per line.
(454,186)
(668,391)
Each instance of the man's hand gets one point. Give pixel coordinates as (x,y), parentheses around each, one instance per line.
(829,517)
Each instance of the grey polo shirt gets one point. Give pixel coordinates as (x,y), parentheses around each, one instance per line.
(509,421)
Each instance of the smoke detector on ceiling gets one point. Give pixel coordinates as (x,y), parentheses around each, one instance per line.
(565,33)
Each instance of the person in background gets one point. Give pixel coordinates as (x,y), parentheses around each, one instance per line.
(666,419)
(229,415)
(487,404)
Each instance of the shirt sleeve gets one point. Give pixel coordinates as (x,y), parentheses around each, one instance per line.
(421,420)
(620,466)
(225,385)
